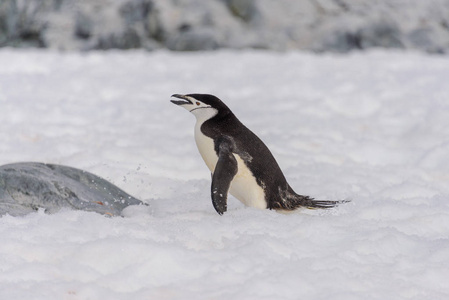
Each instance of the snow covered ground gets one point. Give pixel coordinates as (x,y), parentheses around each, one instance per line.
(372,127)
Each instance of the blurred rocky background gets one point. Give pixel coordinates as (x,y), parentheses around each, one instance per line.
(186,25)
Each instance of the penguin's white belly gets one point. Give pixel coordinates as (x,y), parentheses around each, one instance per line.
(244,186)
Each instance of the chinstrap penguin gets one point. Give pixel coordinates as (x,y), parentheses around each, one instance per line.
(239,161)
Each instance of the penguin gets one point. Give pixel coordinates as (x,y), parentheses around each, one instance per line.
(240,163)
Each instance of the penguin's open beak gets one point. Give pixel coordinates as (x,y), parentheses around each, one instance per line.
(184,99)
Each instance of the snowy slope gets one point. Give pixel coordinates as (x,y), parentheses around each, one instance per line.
(372,127)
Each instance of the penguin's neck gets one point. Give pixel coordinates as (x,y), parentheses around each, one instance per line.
(204,114)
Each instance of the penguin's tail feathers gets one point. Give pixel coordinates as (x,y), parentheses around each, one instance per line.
(311,203)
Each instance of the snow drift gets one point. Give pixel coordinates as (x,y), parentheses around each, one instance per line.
(370,127)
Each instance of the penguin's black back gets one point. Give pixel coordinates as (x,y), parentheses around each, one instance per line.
(256,155)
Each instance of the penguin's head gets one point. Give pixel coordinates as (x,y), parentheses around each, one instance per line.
(203,106)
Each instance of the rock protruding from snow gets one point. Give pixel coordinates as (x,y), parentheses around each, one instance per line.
(27,187)
(185,25)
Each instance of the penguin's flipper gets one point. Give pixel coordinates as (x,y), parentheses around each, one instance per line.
(224,172)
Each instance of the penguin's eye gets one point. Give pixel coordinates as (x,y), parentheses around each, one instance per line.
(197,103)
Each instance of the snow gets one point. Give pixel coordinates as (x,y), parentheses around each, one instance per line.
(372,127)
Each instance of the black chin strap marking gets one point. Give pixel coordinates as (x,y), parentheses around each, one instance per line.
(199,108)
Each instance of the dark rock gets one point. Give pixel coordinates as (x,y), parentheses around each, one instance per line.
(143,17)
(424,38)
(381,34)
(20,24)
(340,41)
(243,9)
(26,187)
(128,39)
(358,35)
(83,26)
(136,11)
(193,39)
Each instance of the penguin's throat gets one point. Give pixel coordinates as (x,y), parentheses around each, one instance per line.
(203,114)
(206,147)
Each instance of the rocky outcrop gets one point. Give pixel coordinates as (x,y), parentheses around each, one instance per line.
(27,187)
(318,25)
